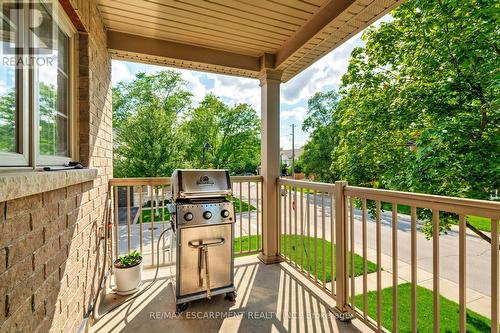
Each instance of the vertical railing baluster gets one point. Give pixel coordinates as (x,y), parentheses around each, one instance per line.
(285,218)
(395,267)
(341,235)
(261,212)
(315,236)
(296,236)
(302,228)
(462,271)
(351,220)
(435,266)
(308,227)
(116,220)
(140,219)
(163,220)
(257,218)
(151,219)
(332,242)
(323,252)
(128,219)
(414,269)
(241,216)
(365,273)
(249,219)
(279,200)
(379,264)
(290,218)
(494,276)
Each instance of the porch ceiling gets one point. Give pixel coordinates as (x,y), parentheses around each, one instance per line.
(235,37)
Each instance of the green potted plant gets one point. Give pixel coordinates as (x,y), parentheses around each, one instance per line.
(128,273)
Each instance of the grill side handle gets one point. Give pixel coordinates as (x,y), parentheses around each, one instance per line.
(210,244)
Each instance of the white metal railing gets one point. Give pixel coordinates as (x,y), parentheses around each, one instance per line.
(319,213)
(140,215)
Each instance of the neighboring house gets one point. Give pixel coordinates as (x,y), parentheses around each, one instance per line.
(286,155)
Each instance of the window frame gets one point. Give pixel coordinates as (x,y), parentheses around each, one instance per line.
(20,158)
(28,155)
(63,22)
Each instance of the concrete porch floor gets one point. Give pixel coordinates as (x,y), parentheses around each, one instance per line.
(273,298)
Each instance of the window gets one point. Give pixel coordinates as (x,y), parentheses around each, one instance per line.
(36,84)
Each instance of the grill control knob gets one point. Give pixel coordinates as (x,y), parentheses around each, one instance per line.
(188,216)
(224,213)
(207,215)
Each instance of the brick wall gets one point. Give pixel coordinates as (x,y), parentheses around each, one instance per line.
(49,243)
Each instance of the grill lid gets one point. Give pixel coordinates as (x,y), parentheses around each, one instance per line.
(190,183)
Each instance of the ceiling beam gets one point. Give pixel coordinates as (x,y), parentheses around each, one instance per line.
(319,21)
(184,52)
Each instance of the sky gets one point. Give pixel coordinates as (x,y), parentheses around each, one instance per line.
(323,75)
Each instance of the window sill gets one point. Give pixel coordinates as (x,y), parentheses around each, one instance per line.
(22,184)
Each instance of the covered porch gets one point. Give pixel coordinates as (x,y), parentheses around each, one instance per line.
(271,298)
(308,253)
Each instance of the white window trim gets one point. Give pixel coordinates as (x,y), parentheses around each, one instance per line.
(22,157)
(65,25)
(28,156)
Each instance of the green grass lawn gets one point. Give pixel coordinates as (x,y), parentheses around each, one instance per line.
(296,246)
(146,216)
(480,223)
(448,314)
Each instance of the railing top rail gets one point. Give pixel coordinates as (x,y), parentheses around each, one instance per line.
(484,208)
(167,180)
(140,181)
(327,187)
(247,178)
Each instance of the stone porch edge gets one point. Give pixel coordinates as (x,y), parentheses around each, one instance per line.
(26,183)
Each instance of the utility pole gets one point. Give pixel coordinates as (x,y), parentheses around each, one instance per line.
(293,151)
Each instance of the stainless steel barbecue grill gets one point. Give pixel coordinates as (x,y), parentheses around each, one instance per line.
(203,231)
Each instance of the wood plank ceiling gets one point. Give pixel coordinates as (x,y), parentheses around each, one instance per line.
(234,36)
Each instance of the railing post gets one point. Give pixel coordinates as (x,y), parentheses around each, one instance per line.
(341,247)
(270,81)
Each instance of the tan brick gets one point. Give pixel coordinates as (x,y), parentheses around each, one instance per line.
(15,227)
(15,274)
(17,321)
(67,205)
(82,198)
(46,252)
(55,262)
(56,227)
(21,205)
(54,196)
(44,325)
(46,214)
(74,190)
(43,291)
(24,247)
(18,296)
(87,186)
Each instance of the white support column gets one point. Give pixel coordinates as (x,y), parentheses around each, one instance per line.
(270,81)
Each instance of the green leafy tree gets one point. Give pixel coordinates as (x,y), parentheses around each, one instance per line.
(232,133)
(149,141)
(419,105)
(8,122)
(322,125)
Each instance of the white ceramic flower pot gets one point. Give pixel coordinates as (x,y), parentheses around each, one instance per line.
(128,280)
